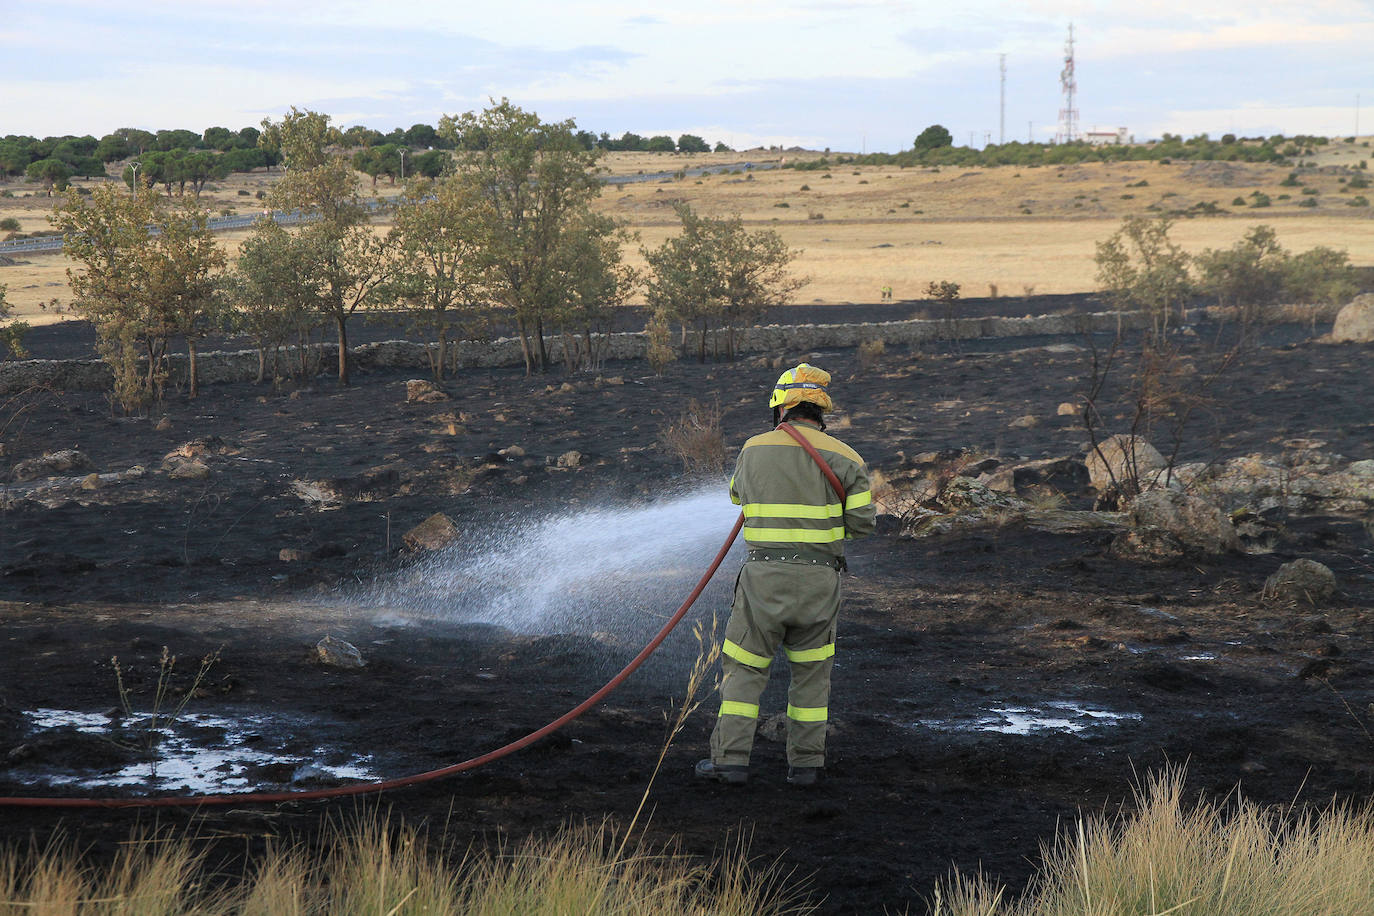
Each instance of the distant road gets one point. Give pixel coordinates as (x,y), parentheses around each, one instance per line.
(49,243)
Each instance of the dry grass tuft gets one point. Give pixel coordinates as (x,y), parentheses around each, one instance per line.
(1204,860)
(695,437)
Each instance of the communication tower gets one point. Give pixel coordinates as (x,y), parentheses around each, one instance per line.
(1068,115)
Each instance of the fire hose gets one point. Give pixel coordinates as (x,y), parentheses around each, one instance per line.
(365,788)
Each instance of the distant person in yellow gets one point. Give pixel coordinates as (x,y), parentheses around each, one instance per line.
(788,592)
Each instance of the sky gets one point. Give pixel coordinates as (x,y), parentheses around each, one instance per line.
(851,75)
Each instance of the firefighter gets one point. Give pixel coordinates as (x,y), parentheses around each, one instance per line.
(788,591)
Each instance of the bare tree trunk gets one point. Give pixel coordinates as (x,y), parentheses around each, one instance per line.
(525,346)
(193,368)
(341,322)
(440,357)
(262,365)
(543,348)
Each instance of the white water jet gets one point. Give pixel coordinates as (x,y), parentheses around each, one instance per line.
(607,571)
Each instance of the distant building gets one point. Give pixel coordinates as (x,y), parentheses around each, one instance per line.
(1106,137)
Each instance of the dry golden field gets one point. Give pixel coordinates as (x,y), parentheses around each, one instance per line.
(860,229)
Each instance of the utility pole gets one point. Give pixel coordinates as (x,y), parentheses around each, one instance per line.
(133,186)
(1002,108)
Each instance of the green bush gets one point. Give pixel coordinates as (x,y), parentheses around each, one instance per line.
(1260,199)
(1358,201)
(1238,202)
(1307,202)
(9,224)
(1291,181)
(782,203)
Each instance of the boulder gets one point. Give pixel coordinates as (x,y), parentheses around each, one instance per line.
(163,425)
(1301,580)
(1362,469)
(1066,409)
(434,533)
(1149,546)
(966,495)
(1121,459)
(195,449)
(1194,521)
(1068,476)
(91,482)
(421,391)
(51,464)
(336,653)
(1355,321)
(319,493)
(292,555)
(189,470)
(570,459)
(1026,422)
(512,451)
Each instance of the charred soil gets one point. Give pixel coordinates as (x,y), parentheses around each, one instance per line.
(991,685)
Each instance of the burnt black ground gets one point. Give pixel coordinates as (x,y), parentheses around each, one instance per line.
(934,629)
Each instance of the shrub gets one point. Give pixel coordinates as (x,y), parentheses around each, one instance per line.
(815,214)
(9,224)
(871,351)
(1291,181)
(805,187)
(1311,192)
(695,438)
(1128,197)
(1260,199)
(1238,202)
(1358,182)
(1307,202)
(782,203)
(660,350)
(1358,201)
(245,193)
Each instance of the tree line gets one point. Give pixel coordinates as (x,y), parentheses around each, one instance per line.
(506,229)
(165,156)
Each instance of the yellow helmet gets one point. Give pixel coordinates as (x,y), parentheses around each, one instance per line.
(802,383)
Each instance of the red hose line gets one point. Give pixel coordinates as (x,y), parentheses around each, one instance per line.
(364,788)
(816,457)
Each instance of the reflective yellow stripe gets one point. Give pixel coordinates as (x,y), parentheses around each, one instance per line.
(733,708)
(811,655)
(794,535)
(733,498)
(808,713)
(792,510)
(744,656)
(856,500)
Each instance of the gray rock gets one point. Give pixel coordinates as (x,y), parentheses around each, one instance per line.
(966,495)
(194,450)
(1363,469)
(1355,321)
(189,470)
(1149,546)
(1191,519)
(1063,475)
(1301,580)
(51,464)
(1127,460)
(336,653)
(420,391)
(434,533)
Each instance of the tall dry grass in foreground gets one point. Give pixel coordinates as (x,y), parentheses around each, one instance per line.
(373,868)
(1203,860)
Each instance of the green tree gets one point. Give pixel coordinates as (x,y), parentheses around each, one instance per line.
(200,168)
(338,253)
(661,144)
(271,301)
(691,143)
(595,281)
(11,332)
(183,264)
(933,137)
(715,273)
(108,238)
(531,180)
(1139,266)
(53,173)
(1319,276)
(302,139)
(440,272)
(1248,277)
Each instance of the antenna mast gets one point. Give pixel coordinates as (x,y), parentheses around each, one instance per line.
(1068,115)
(1002,121)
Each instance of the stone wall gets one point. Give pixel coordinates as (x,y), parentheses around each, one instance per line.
(786,340)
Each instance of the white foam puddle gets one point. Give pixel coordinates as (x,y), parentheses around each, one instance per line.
(198,753)
(1025,720)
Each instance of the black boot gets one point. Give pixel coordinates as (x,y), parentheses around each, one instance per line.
(803,776)
(730,775)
